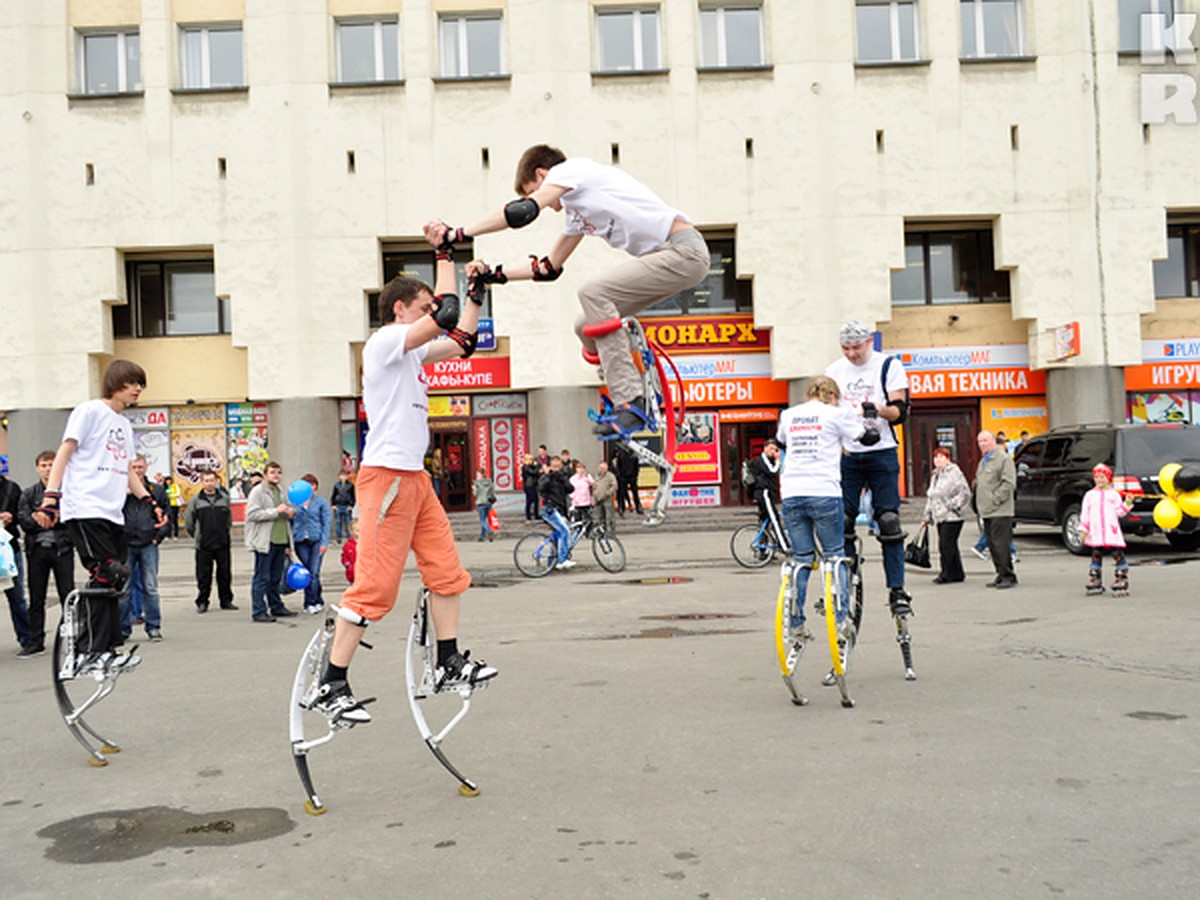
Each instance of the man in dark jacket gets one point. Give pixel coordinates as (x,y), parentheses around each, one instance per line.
(46,550)
(626,465)
(342,500)
(208,520)
(144,536)
(10,501)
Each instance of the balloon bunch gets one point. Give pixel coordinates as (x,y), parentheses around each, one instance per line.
(1181,487)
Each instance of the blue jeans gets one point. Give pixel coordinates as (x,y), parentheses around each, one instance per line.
(309,554)
(483,509)
(143,578)
(341,521)
(879,471)
(819,518)
(561,532)
(981,544)
(17,609)
(264,586)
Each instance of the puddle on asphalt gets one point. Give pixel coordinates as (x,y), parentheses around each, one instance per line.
(669,631)
(125,834)
(1023,621)
(1150,715)
(697,617)
(660,579)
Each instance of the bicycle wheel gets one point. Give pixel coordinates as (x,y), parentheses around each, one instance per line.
(751,546)
(789,634)
(609,551)
(536,554)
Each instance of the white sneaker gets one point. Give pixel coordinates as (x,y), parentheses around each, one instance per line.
(335,702)
(460,669)
(982,554)
(566,564)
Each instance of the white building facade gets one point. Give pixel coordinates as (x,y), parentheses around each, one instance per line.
(216,188)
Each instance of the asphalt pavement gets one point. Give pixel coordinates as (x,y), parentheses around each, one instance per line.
(638,742)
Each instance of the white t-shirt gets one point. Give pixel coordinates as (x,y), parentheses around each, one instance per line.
(607,202)
(862,383)
(813,435)
(97,476)
(396,401)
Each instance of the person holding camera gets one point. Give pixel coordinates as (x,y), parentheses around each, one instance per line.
(875,387)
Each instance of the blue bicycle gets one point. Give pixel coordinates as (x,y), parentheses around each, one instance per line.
(536,554)
(755,545)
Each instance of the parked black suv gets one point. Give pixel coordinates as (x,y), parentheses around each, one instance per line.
(1054,471)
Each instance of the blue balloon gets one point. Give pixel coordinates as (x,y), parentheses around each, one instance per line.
(298,577)
(299,492)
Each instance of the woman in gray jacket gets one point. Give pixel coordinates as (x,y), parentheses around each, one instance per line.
(947,500)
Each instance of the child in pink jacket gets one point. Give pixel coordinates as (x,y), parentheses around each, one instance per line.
(1100,528)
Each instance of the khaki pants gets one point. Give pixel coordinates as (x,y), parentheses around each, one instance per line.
(627,289)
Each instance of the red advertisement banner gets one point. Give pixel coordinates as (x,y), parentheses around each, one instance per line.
(474,372)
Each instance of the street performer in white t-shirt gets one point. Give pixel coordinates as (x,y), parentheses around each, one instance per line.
(398,509)
(813,435)
(873,463)
(86,490)
(669,254)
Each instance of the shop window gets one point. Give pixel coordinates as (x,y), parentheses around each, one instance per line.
(1131,22)
(992,28)
(627,40)
(1179,274)
(170,298)
(731,36)
(416,261)
(211,57)
(720,292)
(886,30)
(110,62)
(368,51)
(471,46)
(949,266)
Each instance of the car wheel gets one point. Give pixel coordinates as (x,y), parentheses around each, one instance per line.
(1182,541)
(1070,531)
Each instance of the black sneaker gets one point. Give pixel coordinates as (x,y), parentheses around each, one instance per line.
(900,602)
(460,670)
(627,418)
(30,652)
(335,701)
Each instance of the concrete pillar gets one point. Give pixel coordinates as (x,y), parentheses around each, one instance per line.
(305,436)
(558,418)
(30,431)
(1081,395)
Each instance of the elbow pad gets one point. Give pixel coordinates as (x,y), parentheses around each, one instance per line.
(902,406)
(445,311)
(519,213)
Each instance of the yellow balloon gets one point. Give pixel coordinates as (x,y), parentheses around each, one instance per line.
(1189,502)
(1166,477)
(1167,514)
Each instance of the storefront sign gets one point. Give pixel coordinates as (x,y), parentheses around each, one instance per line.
(748,415)
(706,334)
(459,374)
(150,417)
(252,413)
(502,454)
(723,365)
(500,405)
(1166,364)
(198,416)
(520,448)
(734,392)
(695,496)
(970,371)
(1012,415)
(483,449)
(697,455)
(485,335)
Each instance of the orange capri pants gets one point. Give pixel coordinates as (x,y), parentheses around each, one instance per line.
(398,511)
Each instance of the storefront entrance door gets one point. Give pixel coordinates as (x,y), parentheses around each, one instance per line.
(741,441)
(456,487)
(951,425)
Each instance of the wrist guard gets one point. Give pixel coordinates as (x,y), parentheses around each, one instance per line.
(901,406)
(494,276)
(453,236)
(445,311)
(464,339)
(543,269)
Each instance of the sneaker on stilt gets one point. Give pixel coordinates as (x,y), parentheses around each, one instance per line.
(460,669)
(336,702)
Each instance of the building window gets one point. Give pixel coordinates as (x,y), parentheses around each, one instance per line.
(1179,274)
(731,36)
(212,57)
(368,51)
(627,40)
(110,62)
(1130,21)
(170,298)
(887,30)
(721,291)
(991,28)
(471,46)
(416,261)
(955,266)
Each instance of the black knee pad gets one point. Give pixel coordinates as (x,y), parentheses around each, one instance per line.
(890,530)
(112,575)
